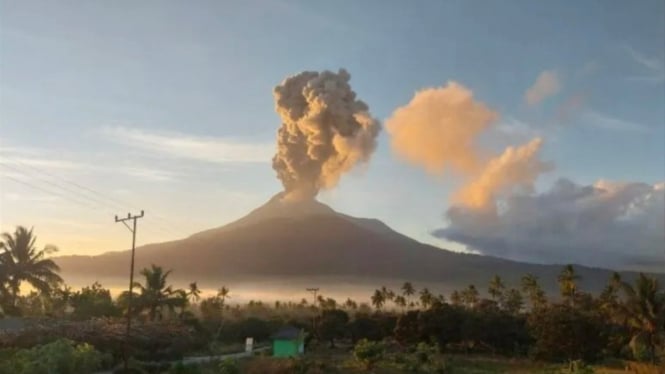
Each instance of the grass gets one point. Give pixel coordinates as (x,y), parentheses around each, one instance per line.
(342,362)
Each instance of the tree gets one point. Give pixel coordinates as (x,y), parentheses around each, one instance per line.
(388,294)
(350,304)
(93,301)
(378,299)
(564,333)
(4,281)
(456,298)
(644,312)
(568,283)
(400,301)
(426,298)
(332,324)
(223,293)
(470,296)
(21,262)
(496,289)
(194,293)
(156,294)
(535,293)
(513,301)
(407,291)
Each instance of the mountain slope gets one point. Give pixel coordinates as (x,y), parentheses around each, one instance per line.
(308,239)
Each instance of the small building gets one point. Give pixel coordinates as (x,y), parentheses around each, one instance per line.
(289,341)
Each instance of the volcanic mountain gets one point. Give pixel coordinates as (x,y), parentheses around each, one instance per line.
(303,240)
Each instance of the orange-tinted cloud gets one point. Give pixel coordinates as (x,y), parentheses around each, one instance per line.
(515,168)
(547,84)
(438,128)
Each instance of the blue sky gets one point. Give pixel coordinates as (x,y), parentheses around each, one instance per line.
(168,105)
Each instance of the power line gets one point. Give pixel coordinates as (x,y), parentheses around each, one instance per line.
(47,191)
(154,229)
(170,229)
(117,203)
(45,180)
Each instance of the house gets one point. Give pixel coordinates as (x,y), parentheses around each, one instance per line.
(289,341)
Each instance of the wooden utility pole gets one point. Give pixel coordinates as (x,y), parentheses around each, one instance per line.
(131,279)
(314,291)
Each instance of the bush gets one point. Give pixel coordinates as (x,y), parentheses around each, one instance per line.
(228,366)
(271,365)
(61,356)
(368,353)
(424,358)
(181,368)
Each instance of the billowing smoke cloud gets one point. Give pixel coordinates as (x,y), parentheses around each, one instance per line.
(516,169)
(439,127)
(606,224)
(325,131)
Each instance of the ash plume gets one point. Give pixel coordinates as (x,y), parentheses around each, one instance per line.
(325,132)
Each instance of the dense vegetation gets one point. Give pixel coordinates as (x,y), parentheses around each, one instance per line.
(409,328)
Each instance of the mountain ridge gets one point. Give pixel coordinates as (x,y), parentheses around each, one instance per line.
(288,240)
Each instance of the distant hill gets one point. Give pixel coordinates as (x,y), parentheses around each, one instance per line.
(300,240)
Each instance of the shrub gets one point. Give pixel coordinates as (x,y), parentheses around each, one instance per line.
(61,356)
(368,353)
(181,368)
(228,366)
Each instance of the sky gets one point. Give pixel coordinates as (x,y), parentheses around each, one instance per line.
(167,106)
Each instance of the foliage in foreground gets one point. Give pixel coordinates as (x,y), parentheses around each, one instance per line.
(61,356)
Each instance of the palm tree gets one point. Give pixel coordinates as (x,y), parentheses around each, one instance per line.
(513,301)
(23,262)
(4,279)
(496,289)
(609,297)
(378,299)
(155,294)
(426,298)
(388,294)
(350,304)
(568,283)
(400,301)
(531,287)
(644,312)
(456,298)
(470,296)
(407,291)
(194,292)
(223,294)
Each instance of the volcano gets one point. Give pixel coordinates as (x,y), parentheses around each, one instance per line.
(299,240)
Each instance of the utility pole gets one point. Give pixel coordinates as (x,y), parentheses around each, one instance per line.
(314,291)
(131,279)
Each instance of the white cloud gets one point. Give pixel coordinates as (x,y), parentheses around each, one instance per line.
(21,156)
(150,174)
(603,121)
(655,68)
(609,224)
(177,145)
(21,197)
(32,165)
(546,85)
